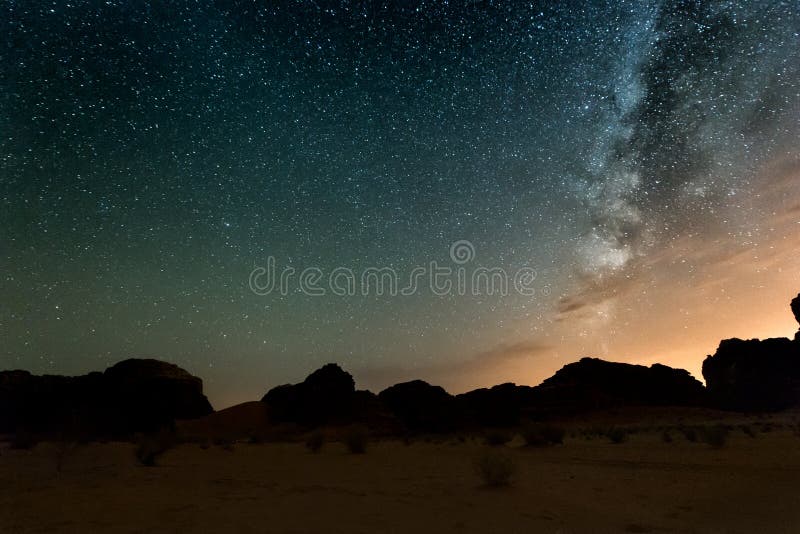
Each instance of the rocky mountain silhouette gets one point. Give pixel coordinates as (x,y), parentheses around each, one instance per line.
(141,395)
(133,395)
(328,396)
(582,386)
(501,405)
(593,383)
(420,406)
(756,374)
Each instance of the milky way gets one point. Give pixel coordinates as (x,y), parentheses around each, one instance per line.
(640,157)
(704,93)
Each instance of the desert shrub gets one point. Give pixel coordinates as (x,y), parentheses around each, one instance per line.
(495,468)
(255,439)
(666,437)
(23,440)
(554,434)
(616,435)
(747,430)
(150,447)
(541,435)
(65,445)
(495,438)
(595,431)
(225,444)
(716,436)
(356,440)
(689,433)
(315,441)
(533,437)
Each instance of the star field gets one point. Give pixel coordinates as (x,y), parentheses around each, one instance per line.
(639,156)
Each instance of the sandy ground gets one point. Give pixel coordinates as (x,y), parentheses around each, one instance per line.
(643,485)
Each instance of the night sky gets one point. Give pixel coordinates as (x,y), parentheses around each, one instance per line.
(641,157)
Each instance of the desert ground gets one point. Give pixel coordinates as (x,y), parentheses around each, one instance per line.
(647,483)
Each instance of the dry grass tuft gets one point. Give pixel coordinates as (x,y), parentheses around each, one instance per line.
(495,468)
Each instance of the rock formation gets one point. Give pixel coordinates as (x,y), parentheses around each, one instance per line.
(419,406)
(755,374)
(131,396)
(593,383)
(501,405)
(328,395)
(148,392)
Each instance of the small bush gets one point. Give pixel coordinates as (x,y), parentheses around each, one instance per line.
(554,434)
(64,447)
(315,441)
(356,440)
(593,432)
(495,438)
(690,434)
(24,440)
(539,435)
(716,436)
(616,435)
(151,446)
(748,431)
(666,437)
(496,469)
(225,444)
(255,439)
